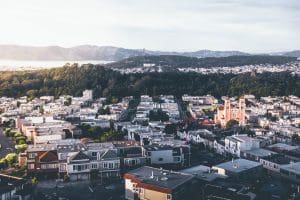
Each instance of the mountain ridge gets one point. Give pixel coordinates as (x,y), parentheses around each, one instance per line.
(93,52)
(107,53)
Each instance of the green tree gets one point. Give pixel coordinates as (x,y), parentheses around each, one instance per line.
(171,129)
(231,123)
(11,158)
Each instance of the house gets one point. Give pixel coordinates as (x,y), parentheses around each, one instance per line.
(12,187)
(219,147)
(42,160)
(78,166)
(130,153)
(203,136)
(237,143)
(156,184)
(274,162)
(66,150)
(175,156)
(257,154)
(105,161)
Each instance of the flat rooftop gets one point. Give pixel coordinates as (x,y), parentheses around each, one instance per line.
(283,147)
(159,177)
(203,172)
(41,147)
(293,167)
(278,159)
(260,152)
(238,165)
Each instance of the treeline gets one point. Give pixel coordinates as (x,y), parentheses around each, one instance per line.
(182,61)
(73,80)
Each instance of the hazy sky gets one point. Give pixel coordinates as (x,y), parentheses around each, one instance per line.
(181,25)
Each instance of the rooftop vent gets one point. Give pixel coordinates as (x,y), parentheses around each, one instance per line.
(152,175)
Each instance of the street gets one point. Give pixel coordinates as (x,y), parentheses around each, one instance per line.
(7,145)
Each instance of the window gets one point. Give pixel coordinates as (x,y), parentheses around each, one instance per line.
(160,159)
(133,162)
(169,196)
(94,154)
(31,166)
(104,165)
(111,165)
(32,155)
(176,159)
(94,166)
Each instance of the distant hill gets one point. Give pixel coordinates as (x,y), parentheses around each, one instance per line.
(85,52)
(89,52)
(293,53)
(193,62)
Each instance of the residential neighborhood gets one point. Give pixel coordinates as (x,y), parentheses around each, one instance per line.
(165,144)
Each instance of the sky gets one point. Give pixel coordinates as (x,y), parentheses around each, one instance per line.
(253,26)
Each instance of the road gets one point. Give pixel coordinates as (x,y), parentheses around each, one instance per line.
(7,145)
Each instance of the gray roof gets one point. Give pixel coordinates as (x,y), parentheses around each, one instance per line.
(41,147)
(79,156)
(294,167)
(109,154)
(238,165)
(203,173)
(260,152)
(70,148)
(283,147)
(161,178)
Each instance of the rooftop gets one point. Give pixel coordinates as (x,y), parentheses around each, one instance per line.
(260,152)
(282,147)
(293,167)
(238,165)
(279,159)
(159,177)
(41,147)
(203,173)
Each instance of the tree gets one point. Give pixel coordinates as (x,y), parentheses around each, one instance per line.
(104,111)
(246,130)
(109,136)
(171,129)
(158,115)
(41,109)
(11,158)
(231,123)
(68,102)
(34,181)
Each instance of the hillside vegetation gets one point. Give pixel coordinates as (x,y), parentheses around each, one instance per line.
(105,82)
(183,61)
